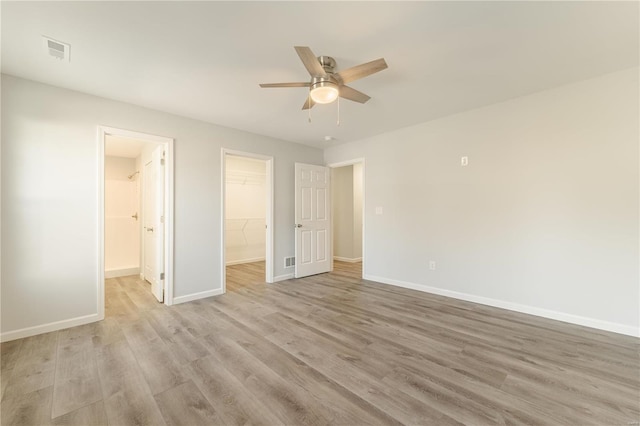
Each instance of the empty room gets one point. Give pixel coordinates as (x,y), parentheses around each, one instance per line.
(320,212)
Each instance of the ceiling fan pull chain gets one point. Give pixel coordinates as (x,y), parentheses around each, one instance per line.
(338,122)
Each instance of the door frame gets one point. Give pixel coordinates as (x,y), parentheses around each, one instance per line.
(103,132)
(268,255)
(364,206)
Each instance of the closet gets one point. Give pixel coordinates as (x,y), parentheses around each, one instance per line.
(245,210)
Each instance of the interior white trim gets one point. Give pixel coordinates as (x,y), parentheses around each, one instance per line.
(121,272)
(347,259)
(351,162)
(282,277)
(46,328)
(196,296)
(103,132)
(525,309)
(269,189)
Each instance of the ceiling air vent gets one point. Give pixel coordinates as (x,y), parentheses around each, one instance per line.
(55,48)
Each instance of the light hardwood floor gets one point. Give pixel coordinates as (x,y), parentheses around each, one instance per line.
(328,349)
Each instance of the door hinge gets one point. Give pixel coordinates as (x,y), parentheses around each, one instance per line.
(162,219)
(162,276)
(162,161)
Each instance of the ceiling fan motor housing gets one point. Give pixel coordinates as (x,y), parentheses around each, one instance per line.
(326,81)
(330,80)
(328,63)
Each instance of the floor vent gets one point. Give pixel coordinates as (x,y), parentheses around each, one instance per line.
(289,262)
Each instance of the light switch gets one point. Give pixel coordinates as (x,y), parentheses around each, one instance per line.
(464,161)
(378,210)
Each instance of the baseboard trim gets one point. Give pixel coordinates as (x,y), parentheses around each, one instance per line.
(196,296)
(115,273)
(46,328)
(241,261)
(282,277)
(525,309)
(347,259)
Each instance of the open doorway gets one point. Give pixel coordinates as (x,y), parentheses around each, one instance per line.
(122,194)
(347,193)
(136,197)
(247,219)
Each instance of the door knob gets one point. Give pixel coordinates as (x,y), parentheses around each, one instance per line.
(150,229)
(135,216)
(298,225)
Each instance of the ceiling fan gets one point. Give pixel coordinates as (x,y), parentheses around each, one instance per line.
(326,84)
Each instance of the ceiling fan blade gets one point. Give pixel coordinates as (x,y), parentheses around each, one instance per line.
(310,61)
(362,70)
(352,94)
(264,85)
(308,103)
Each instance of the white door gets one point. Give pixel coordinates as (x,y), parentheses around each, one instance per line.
(313,220)
(153,222)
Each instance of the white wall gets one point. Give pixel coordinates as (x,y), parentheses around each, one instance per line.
(342,206)
(357,210)
(49,200)
(119,168)
(543,220)
(245,215)
(346,201)
(121,231)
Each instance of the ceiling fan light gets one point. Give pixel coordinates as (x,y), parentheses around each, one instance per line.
(324,92)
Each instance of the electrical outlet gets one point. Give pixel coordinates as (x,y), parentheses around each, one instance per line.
(432,265)
(464,161)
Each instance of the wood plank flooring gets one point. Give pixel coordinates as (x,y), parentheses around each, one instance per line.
(327,349)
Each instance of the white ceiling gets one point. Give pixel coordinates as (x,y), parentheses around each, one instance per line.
(205,59)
